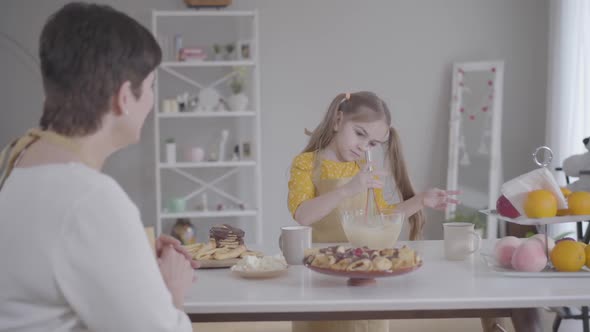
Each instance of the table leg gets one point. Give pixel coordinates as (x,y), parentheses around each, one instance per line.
(585,318)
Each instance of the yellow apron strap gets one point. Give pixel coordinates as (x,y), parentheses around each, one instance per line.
(316,170)
(3,157)
(56,139)
(11,153)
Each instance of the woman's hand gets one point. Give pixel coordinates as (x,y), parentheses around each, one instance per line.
(177,272)
(363,180)
(165,241)
(439,199)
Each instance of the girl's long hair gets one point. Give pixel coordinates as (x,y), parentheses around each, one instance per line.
(368,107)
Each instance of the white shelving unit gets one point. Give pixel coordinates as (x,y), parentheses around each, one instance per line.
(235,182)
(197,64)
(208,164)
(206,114)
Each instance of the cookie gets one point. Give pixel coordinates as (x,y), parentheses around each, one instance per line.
(381,264)
(227,253)
(360,265)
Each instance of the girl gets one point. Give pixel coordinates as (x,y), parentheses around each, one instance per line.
(328,173)
(73,250)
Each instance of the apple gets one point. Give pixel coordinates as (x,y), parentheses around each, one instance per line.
(504,250)
(505,208)
(530,256)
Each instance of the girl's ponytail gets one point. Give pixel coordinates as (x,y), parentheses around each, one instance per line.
(402,181)
(324,132)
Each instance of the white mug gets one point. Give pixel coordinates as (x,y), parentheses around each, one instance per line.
(293,242)
(195,154)
(460,240)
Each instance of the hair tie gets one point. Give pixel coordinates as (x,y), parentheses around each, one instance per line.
(346,98)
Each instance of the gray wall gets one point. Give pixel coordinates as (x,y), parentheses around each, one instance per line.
(312,50)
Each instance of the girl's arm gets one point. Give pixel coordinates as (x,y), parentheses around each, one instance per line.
(313,210)
(307,208)
(433,198)
(411,206)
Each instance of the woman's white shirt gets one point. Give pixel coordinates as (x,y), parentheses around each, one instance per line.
(74,256)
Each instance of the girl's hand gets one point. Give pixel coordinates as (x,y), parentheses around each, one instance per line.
(439,199)
(363,180)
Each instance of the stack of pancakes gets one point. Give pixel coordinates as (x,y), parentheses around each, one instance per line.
(225,242)
(226,236)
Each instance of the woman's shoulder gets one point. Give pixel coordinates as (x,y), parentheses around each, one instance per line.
(103,196)
(72,180)
(102,185)
(89,178)
(304,161)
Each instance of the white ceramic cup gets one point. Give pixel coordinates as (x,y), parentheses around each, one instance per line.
(460,240)
(293,241)
(195,154)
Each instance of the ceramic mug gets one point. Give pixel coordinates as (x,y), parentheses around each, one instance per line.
(460,240)
(195,154)
(176,205)
(293,241)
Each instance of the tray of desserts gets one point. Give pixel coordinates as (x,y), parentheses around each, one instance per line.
(362,265)
(224,249)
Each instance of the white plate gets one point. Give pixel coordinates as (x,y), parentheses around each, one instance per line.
(215,264)
(547,273)
(540,221)
(259,274)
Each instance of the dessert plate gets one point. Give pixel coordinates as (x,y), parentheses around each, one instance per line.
(359,278)
(259,274)
(217,264)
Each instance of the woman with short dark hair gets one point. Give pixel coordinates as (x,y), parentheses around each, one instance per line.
(73,251)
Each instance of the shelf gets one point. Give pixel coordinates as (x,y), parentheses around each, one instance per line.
(202,114)
(216,13)
(535,222)
(209,214)
(210,164)
(205,63)
(241,179)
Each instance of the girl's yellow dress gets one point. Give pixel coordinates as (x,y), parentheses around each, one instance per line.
(311,177)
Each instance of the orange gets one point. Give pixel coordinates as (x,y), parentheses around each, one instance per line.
(565,191)
(568,256)
(540,204)
(579,203)
(587,252)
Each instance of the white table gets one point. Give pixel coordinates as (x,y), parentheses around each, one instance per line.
(440,288)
